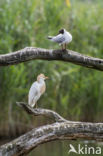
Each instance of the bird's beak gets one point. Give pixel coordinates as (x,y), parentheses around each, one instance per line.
(46,77)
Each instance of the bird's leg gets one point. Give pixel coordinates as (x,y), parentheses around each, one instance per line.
(65,46)
(36,105)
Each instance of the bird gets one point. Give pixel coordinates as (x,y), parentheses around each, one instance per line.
(63,38)
(37,89)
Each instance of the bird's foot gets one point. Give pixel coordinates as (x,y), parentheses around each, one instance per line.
(35,105)
(63,47)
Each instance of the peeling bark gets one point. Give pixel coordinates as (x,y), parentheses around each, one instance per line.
(32,53)
(60,130)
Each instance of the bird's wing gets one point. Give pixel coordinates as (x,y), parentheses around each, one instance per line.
(33,92)
(59,38)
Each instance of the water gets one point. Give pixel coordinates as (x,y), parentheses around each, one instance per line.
(61,148)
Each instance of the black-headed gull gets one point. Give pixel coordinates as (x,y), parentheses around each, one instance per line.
(63,38)
(36,90)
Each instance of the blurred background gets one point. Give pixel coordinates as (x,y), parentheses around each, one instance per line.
(73,91)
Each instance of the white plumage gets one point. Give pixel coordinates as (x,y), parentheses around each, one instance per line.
(36,90)
(63,38)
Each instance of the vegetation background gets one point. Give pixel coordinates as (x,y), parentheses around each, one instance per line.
(73,91)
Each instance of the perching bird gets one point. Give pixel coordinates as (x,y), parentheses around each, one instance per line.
(63,38)
(36,90)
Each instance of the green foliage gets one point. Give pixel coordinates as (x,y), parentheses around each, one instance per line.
(75,92)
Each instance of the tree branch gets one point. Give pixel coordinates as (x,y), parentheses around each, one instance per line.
(40,111)
(60,130)
(32,53)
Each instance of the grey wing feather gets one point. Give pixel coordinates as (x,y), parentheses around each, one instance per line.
(59,38)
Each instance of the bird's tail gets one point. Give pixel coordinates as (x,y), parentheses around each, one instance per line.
(50,37)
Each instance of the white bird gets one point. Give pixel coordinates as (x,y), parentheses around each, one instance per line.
(63,38)
(36,90)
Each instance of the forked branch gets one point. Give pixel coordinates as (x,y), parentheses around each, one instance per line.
(60,130)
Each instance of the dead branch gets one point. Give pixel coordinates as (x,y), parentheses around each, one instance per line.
(32,53)
(40,111)
(60,130)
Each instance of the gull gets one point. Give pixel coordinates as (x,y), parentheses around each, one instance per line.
(37,89)
(63,38)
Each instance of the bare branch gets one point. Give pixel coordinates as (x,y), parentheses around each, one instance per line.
(40,111)
(60,130)
(57,131)
(32,53)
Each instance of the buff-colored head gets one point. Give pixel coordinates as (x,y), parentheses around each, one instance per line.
(41,77)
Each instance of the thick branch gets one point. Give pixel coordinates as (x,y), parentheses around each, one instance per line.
(57,131)
(31,53)
(60,130)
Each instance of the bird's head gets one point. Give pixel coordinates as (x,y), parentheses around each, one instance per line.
(61,31)
(41,77)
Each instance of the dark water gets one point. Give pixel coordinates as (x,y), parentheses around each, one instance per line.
(61,148)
